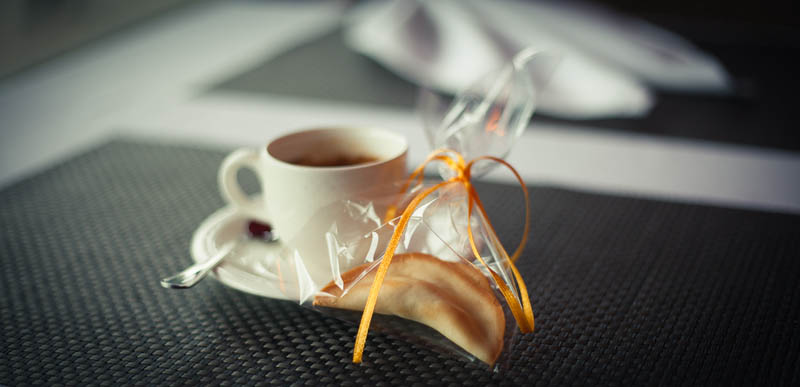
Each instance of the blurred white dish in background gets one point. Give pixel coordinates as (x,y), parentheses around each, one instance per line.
(656,56)
(436,45)
(607,60)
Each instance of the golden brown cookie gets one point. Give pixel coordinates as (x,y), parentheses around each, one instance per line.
(453,298)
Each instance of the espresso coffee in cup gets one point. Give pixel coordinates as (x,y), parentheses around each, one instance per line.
(341,160)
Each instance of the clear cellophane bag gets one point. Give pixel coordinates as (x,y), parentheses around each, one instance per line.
(449,284)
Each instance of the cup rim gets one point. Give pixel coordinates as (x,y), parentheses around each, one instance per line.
(403,149)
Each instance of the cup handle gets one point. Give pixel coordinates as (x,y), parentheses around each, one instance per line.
(229,184)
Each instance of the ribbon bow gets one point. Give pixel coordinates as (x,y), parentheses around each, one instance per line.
(522,311)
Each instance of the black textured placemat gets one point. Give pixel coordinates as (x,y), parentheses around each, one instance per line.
(626,291)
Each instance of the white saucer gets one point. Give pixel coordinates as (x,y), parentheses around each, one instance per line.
(243,268)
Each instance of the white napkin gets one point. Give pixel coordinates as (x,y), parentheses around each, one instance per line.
(607,61)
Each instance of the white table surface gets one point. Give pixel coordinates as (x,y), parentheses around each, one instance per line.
(149,82)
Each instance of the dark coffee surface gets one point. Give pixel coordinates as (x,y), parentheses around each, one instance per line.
(626,291)
(314,160)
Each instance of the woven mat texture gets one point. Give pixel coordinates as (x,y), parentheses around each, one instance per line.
(626,291)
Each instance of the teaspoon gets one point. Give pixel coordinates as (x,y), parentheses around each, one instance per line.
(193,274)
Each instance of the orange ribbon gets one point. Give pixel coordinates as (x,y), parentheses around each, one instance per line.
(522,311)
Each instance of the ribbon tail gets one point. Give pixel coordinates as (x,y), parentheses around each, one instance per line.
(522,311)
(383,268)
(521,308)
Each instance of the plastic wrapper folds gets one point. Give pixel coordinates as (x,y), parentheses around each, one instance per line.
(435,293)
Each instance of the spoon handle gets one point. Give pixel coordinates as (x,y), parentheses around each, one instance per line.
(193,274)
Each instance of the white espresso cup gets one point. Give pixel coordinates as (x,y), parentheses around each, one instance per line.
(302,172)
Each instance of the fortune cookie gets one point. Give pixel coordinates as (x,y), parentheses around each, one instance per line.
(454,298)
